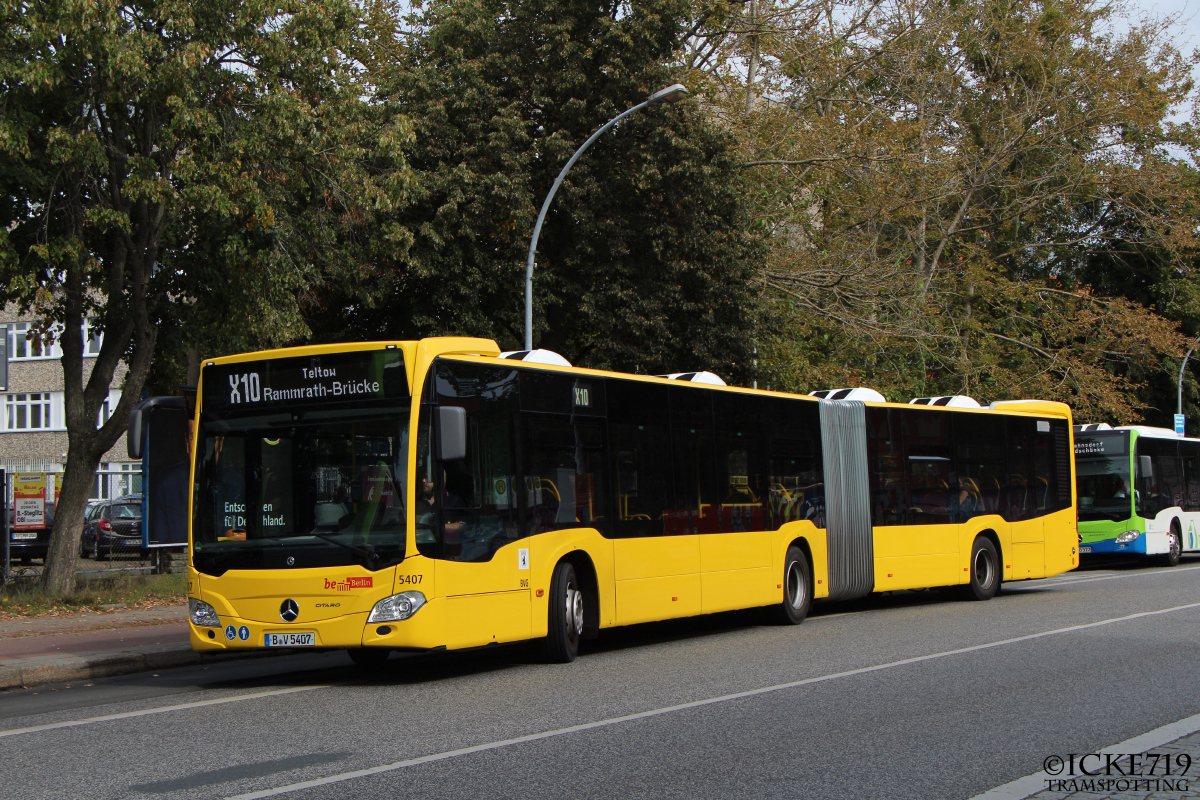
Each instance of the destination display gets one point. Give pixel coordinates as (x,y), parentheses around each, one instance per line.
(330,378)
(1113,445)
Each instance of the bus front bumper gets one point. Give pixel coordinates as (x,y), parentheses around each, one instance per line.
(352,630)
(1147,544)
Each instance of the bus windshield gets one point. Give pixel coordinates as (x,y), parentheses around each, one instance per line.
(301,488)
(1102,476)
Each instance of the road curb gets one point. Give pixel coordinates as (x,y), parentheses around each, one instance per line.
(26,672)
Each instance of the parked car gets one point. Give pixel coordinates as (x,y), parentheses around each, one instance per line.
(113,527)
(26,545)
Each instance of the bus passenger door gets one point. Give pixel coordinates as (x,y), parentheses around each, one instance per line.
(1028,557)
(665,494)
(735,564)
(467,512)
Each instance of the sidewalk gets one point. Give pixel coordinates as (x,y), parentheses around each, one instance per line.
(88,644)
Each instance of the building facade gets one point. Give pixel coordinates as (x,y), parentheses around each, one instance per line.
(33,432)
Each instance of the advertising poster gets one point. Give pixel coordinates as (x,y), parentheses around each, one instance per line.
(29,502)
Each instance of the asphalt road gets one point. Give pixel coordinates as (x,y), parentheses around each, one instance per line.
(904,695)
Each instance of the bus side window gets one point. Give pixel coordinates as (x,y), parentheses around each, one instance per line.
(564,474)
(796,486)
(640,446)
(928,467)
(885,466)
(1051,467)
(741,471)
(979,464)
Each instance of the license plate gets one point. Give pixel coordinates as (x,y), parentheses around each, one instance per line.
(1085,549)
(24,536)
(291,639)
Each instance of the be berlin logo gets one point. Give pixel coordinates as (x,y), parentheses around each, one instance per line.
(1118,772)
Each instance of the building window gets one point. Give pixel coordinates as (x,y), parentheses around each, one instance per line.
(28,412)
(92,339)
(24,343)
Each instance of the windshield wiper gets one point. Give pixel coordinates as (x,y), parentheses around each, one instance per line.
(371,556)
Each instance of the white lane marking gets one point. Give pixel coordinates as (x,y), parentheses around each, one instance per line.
(1060,581)
(533,737)
(158,710)
(1032,784)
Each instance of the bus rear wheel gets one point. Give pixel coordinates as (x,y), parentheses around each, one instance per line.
(565,620)
(1174,546)
(797,589)
(985,570)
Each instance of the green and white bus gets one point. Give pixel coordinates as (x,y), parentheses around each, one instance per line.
(1138,490)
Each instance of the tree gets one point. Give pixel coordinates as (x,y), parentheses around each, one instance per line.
(645,258)
(169,163)
(935,176)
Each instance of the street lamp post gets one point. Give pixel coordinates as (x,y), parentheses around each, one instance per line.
(671,94)
(1182,367)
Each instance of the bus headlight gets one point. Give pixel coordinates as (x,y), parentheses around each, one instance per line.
(397,608)
(1128,536)
(203,615)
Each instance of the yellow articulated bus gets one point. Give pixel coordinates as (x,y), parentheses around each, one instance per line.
(438,494)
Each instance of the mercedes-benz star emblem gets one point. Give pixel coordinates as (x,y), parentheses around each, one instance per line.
(289,610)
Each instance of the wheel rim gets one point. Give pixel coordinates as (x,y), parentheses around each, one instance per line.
(983,568)
(795,586)
(574,611)
(1175,544)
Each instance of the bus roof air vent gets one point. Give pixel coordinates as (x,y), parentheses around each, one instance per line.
(953,401)
(855,393)
(537,357)
(1093,426)
(695,377)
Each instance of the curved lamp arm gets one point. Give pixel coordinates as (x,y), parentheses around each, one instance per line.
(671,94)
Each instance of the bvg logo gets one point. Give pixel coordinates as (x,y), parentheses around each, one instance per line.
(349,583)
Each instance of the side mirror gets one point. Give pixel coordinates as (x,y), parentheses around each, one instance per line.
(133,439)
(452,433)
(1146,468)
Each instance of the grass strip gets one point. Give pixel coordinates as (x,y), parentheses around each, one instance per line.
(26,598)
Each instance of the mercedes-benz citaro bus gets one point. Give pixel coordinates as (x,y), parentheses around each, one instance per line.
(438,494)
(1139,492)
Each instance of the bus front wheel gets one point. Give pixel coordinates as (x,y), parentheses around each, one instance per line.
(565,622)
(985,570)
(797,588)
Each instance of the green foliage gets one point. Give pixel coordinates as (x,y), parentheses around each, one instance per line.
(981,197)
(645,258)
(190,167)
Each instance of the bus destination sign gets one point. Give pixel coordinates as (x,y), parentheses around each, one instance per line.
(307,380)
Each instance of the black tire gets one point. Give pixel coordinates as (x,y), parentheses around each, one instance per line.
(565,618)
(1174,546)
(984,569)
(369,657)
(797,589)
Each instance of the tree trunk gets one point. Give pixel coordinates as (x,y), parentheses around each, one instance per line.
(193,366)
(63,550)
